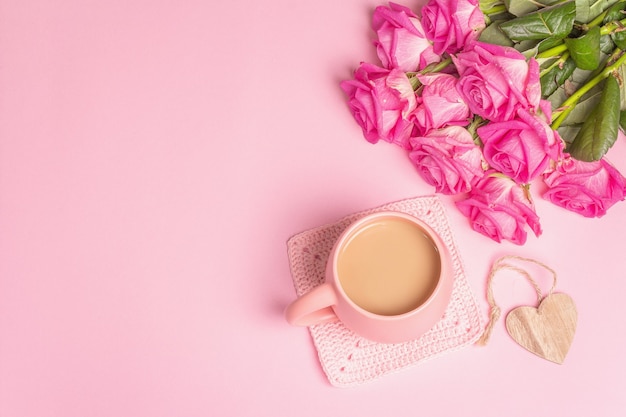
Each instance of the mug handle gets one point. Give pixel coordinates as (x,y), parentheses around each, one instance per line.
(313,307)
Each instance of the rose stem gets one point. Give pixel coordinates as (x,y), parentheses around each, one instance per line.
(569,104)
(611,27)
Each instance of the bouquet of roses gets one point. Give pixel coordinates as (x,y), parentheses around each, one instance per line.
(488,97)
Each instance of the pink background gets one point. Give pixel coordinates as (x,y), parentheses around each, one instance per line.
(156,155)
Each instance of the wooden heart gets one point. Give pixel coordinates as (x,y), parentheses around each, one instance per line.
(546,331)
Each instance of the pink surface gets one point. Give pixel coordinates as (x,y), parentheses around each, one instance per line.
(155,156)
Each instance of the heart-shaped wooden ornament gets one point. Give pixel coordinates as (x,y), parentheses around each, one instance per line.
(546,331)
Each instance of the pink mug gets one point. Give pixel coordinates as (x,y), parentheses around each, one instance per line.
(388,278)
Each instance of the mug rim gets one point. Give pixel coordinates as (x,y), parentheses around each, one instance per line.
(434,237)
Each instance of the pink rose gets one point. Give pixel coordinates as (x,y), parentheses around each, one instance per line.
(381,102)
(500,209)
(496,81)
(586,188)
(401,41)
(441,104)
(521,148)
(451,24)
(448,159)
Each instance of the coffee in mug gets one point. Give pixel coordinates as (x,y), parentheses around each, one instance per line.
(389,278)
(389,266)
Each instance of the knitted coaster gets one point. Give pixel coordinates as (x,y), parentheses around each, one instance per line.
(349,359)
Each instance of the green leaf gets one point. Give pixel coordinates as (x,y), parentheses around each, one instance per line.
(606,44)
(527,48)
(488,4)
(555,21)
(569,132)
(548,43)
(587,10)
(583,10)
(622,121)
(599,6)
(619,38)
(531,48)
(522,7)
(493,34)
(556,77)
(585,50)
(584,107)
(599,131)
(577,79)
(614,12)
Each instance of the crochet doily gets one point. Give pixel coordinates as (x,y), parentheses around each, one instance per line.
(349,359)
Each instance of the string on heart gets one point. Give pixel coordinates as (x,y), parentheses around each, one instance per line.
(502,264)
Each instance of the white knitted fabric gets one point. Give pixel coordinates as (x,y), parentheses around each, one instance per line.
(347,358)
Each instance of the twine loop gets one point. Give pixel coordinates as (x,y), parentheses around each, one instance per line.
(499,265)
